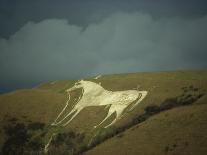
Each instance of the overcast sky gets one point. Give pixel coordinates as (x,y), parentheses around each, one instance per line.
(45,40)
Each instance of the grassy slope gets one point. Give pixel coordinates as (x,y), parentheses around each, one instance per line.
(44,102)
(182,130)
(178,131)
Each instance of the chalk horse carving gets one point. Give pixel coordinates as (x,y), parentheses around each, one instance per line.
(94,94)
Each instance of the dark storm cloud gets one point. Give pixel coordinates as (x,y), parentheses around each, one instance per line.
(43,40)
(122,42)
(16,13)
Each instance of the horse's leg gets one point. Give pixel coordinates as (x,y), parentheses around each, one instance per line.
(111,123)
(76,113)
(139,99)
(120,112)
(107,106)
(72,111)
(66,105)
(108,115)
(119,115)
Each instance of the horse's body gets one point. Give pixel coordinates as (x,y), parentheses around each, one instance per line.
(94,94)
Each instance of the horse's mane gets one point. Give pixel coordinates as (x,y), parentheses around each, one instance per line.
(91,84)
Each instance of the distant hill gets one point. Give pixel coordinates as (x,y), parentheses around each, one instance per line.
(169,120)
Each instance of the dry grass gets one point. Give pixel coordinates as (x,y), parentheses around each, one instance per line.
(181,130)
(44,102)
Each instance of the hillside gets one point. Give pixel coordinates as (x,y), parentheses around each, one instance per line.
(170,119)
(178,131)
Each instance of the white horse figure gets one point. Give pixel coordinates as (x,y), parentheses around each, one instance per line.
(94,94)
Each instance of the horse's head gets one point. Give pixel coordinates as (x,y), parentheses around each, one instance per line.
(77,85)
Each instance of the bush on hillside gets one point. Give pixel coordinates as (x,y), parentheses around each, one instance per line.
(20,140)
(69,143)
(169,104)
(17,139)
(152,109)
(36,126)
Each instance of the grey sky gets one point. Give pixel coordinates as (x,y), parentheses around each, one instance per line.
(50,40)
